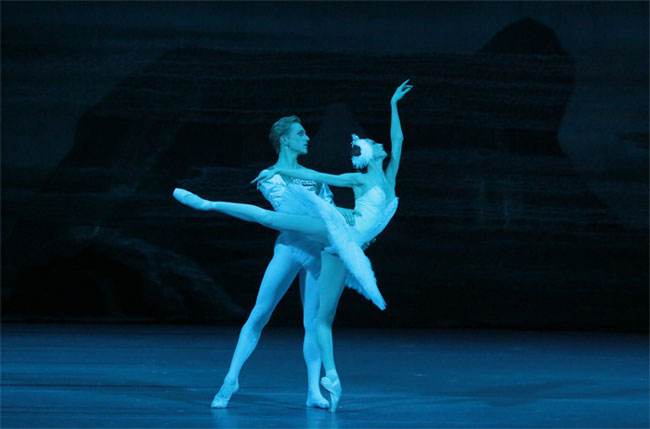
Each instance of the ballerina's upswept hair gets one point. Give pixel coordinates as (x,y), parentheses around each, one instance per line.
(361,152)
(280,128)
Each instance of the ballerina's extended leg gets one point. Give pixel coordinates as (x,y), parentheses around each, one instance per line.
(310,226)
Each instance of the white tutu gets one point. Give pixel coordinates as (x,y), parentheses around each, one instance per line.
(346,240)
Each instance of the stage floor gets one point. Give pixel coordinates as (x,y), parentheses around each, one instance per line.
(165,376)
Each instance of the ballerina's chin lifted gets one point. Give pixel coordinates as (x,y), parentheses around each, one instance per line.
(342,261)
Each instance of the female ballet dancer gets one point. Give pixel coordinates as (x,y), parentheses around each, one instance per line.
(343,261)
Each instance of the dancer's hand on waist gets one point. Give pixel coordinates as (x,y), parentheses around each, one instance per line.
(366,245)
(349,215)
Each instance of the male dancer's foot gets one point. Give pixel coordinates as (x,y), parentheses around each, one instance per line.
(332,384)
(223,396)
(316,400)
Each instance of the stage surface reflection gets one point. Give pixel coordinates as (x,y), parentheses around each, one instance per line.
(165,376)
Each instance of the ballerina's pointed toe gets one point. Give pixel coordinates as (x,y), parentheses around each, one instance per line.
(180,193)
(219,402)
(222,398)
(192,200)
(186,197)
(334,389)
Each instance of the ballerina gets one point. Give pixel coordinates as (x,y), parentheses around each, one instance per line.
(342,261)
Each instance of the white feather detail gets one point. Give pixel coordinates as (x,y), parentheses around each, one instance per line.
(363,159)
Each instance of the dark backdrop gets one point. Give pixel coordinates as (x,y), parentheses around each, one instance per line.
(523,185)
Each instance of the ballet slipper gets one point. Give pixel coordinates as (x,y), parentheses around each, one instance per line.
(223,396)
(334,388)
(317,401)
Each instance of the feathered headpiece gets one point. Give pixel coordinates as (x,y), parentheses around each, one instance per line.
(362,160)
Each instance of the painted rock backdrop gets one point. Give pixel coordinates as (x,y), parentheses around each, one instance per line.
(498,224)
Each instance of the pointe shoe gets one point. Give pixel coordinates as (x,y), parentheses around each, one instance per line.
(180,194)
(192,200)
(334,388)
(222,398)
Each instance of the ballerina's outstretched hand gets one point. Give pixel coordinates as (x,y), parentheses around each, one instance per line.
(401,91)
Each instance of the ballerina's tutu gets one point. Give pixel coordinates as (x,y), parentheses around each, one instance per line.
(346,240)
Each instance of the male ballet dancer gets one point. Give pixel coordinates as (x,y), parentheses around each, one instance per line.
(292,254)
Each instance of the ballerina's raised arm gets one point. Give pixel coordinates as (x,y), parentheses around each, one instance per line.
(350,180)
(396,136)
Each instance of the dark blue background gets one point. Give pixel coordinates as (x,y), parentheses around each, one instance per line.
(524,184)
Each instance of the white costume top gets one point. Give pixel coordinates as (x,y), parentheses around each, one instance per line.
(374,214)
(305,251)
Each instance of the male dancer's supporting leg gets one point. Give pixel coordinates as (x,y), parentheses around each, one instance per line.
(313,227)
(277,278)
